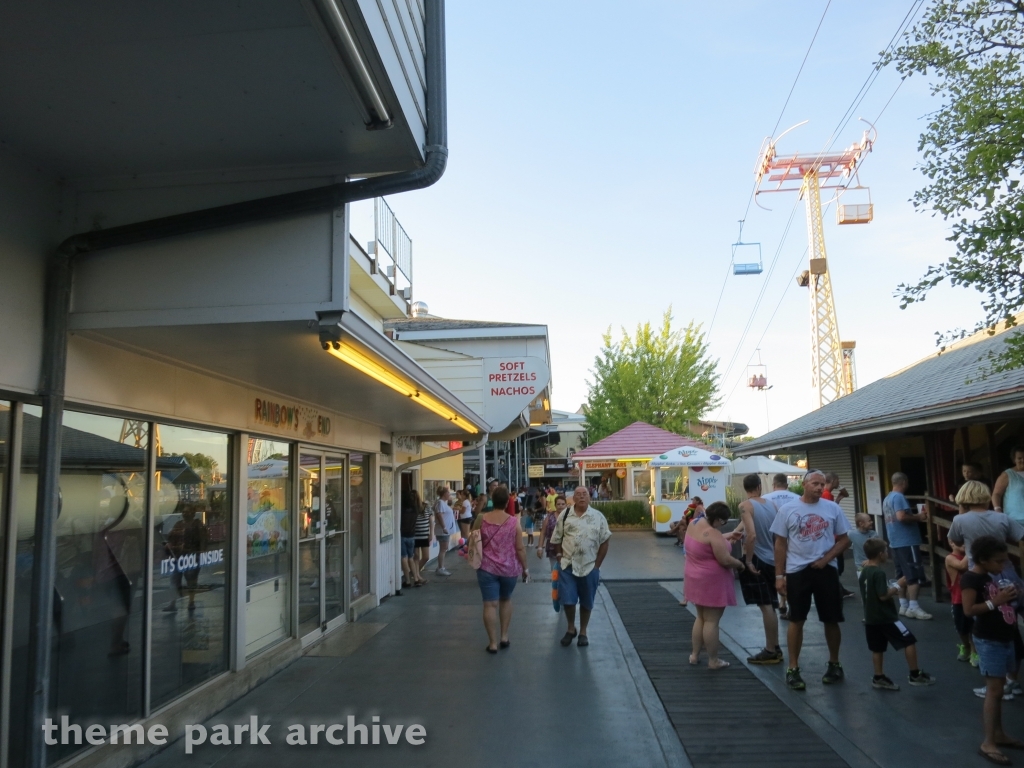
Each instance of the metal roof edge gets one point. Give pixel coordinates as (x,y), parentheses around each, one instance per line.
(926,417)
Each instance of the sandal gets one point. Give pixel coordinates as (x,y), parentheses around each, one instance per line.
(721,665)
(567,639)
(419,583)
(995,757)
(583,641)
(504,643)
(491,650)
(694,661)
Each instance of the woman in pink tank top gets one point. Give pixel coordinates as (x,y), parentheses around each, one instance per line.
(504,559)
(708,580)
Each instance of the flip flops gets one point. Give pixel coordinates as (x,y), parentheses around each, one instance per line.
(995,757)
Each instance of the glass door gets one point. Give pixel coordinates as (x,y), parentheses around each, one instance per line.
(322,542)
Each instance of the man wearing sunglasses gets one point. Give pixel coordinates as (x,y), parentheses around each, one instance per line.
(809,535)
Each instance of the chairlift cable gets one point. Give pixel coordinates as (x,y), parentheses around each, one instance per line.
(861,94)
(799,71)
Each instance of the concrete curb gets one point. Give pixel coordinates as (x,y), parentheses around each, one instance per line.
(671,748)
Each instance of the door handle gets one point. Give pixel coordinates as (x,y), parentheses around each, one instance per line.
(319,536)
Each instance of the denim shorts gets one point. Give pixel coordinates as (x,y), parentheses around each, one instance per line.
(408,546)
(578,589)
(996,658)
(495,587)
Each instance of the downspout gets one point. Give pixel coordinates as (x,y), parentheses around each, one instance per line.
(57,306)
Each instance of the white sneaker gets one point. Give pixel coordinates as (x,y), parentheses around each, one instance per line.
(1013,687)
(917,613)
(446,572)
(980,693)
(903,611)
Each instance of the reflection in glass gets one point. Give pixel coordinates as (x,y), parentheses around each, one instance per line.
(673,484)
(96,666)
(334,541)
(309,542)
(359,561)
(268,547)
(190,564)
(641,483)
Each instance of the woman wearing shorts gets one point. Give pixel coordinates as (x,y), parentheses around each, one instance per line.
(465,510)
(504,559)
(422,530)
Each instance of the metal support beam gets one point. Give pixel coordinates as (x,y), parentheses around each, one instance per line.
(826,350)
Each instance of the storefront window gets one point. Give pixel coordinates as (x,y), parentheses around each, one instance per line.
(359,534)
(268,545)
(97,661)
(673,484)
(641,483)
(191,525)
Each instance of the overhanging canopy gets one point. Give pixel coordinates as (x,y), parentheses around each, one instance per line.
(688,456)
(762,465)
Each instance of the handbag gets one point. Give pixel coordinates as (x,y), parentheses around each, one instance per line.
(475,547)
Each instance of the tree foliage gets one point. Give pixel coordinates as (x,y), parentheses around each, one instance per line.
(973,153)
(663,377)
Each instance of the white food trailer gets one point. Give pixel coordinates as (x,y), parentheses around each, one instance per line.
(679,475)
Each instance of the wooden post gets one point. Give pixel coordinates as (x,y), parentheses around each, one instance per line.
(938,568)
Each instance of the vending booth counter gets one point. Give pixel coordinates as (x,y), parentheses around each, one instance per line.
(679,475)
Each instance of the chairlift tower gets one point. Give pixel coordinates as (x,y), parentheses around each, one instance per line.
(833,373)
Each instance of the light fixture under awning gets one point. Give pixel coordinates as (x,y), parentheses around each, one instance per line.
(355,357)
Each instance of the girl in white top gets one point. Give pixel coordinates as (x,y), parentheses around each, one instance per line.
(465,507)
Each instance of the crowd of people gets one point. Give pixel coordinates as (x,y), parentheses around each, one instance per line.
(493,526)
(793,547)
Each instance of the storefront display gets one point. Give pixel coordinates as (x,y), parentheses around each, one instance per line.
(190,561)
(267,544)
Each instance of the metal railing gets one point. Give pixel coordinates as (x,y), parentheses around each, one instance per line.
(937,553)
(391,237)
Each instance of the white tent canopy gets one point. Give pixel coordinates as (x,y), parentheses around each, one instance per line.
(762,465)
(688,456)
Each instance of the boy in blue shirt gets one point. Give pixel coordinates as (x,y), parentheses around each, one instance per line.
(860,534)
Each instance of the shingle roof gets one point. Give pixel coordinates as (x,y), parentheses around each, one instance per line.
(935,388)
(639,439)
(444,324)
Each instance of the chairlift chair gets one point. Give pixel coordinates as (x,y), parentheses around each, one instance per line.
(861,212)
(746,267)
(757,377)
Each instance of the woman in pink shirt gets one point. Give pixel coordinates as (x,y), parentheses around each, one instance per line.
(504,559)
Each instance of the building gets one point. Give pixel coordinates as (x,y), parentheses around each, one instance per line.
(620,461)
(201,417)
(550,448)
(500,369)
(925,421)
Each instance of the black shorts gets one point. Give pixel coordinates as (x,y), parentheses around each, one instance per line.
(908,564)
(823,585)
(895,634)
(759,589)
(422,543)
(964,624)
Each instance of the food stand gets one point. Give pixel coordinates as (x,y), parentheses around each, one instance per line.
(680,474)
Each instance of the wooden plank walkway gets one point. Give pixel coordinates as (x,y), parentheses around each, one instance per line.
(726,718)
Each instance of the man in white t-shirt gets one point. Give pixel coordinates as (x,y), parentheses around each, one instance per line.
(780,495)
(810,534)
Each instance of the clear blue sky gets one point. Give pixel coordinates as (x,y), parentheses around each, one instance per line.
(602,153)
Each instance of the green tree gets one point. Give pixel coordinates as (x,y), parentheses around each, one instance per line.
(203,465)
(973,153)
(663,377)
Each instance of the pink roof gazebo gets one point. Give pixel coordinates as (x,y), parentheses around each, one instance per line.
(639,440)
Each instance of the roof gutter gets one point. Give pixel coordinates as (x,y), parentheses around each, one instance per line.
(57,306)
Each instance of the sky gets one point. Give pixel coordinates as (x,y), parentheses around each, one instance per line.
(602,154)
